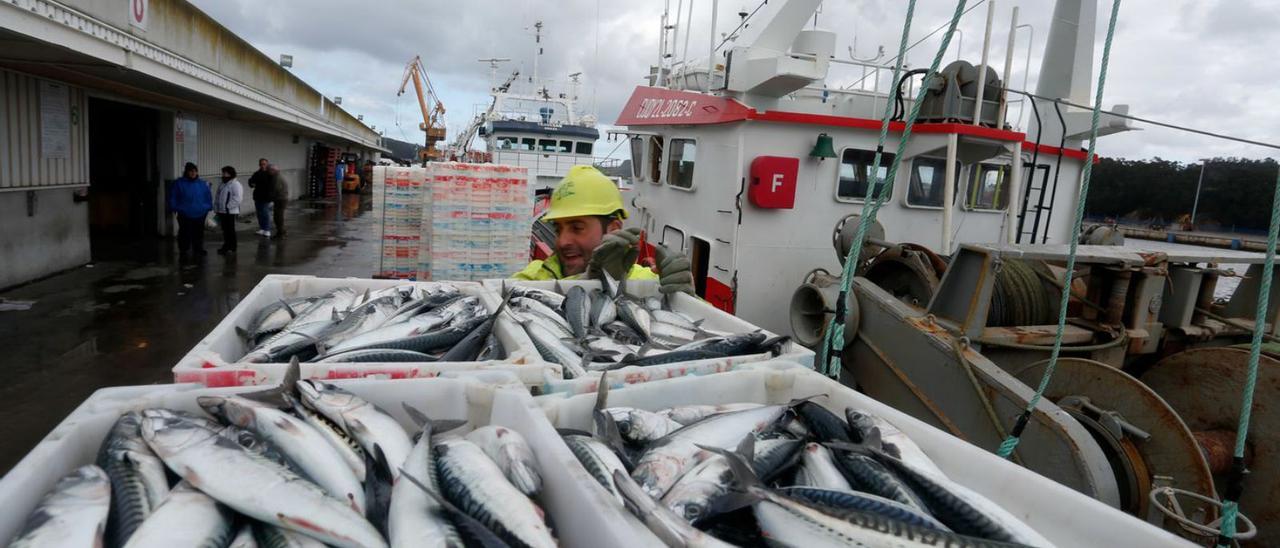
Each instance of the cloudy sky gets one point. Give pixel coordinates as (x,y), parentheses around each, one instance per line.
(1208,64)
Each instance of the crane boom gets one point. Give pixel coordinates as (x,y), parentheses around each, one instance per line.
(432,108)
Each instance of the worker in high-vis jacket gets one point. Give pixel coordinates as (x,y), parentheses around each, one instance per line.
(587,212)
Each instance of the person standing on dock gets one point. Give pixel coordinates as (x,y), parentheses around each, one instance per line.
(263,188)
(586,210)
(227,206)
(190,200)
(279,197)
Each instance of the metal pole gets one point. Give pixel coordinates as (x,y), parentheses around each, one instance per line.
(1026,72)
(1015,180)
(949,192)
(711,45)
(1008,66)
(1195,205)
(982,70)
(658,81)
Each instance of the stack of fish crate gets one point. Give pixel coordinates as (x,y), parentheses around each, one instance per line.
(399,197)
(476,221)
(452,221)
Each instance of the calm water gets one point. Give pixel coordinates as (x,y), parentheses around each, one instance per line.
(1226,285)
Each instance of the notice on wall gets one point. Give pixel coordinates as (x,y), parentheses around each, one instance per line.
(55,120)
(185,136)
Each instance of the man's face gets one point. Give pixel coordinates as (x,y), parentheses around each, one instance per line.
(576,237)
(192,174)
(262,164)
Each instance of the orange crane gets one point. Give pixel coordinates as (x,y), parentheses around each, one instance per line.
(432,108)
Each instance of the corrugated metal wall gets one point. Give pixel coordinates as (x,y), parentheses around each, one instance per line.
(239,144)
(21,162)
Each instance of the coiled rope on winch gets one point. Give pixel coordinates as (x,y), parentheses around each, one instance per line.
(1015,435)
(833,340)
(1235,479)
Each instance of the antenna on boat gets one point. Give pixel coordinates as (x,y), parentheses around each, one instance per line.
(537,40)
(493,69)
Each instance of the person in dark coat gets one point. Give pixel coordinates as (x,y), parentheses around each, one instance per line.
(263,191)
(190,200)
(279,198)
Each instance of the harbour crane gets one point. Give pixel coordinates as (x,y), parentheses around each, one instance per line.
(432,108)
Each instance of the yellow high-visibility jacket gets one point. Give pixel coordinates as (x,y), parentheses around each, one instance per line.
(550,270)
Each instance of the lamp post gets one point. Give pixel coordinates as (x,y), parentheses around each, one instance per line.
(1196,204)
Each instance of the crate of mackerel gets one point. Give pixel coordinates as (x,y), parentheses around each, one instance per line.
(792,458)
(359,462)
(588,327)
(355,328)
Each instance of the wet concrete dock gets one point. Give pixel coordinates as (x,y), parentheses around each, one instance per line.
(128,317)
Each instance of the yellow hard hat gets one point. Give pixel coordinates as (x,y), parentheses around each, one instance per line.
(585,192)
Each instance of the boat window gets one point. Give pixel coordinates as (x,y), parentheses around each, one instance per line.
(547,145)
(506,143)
(680,163)
(566,146)
(527,144)
(988,187)
(855,172)
(927,177)
(655,159)
(637,158)
(583,147)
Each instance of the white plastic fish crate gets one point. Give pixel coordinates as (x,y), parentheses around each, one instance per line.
(1062,515)
(712,318)
(635,374)
(581,515)
(212,361)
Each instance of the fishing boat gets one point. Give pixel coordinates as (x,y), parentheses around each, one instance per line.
(533,123)
(756,163)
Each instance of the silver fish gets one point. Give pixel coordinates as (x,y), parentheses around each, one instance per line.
(363,319)
(791,522)
(640,426)
(302,444)
(669,527)
(360,419)
(187,517)
(577,310)
(689,414)
(74,513)
(377,355)
(818,469)
(550,298)
(414,518)
(333,303)
(509,450)
(603,310)
(672,456)
(300,340)
(635,316)
(833,502)
(598,459)
(138,480)
(420,324)
(672,318)
(537,307)
(254,486)
(467,479)
(552,349)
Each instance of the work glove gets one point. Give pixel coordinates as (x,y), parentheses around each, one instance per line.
(615,254)
(674,274)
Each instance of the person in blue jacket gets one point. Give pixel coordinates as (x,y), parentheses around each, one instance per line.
(191,200)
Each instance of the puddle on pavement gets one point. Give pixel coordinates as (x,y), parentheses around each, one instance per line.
(122,288)
(145,272)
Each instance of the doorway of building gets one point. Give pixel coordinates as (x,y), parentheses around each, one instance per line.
(124,174)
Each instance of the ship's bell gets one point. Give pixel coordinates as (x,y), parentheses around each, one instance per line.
(823,148)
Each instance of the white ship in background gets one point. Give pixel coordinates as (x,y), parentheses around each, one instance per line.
(532,123)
